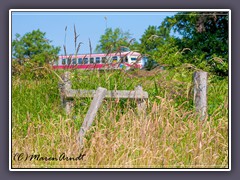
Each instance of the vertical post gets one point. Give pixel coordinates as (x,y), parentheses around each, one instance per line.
(141,105)
(95,104)
(200,93)
(64,87)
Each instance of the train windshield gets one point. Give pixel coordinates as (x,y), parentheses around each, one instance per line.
(144,60)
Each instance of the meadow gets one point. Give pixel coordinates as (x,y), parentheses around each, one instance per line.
(169,135)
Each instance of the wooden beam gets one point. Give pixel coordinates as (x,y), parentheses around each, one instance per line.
(95,104)
(109,94)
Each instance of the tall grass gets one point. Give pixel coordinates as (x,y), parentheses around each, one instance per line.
(170,135)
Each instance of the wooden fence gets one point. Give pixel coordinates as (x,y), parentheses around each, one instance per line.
(67,95)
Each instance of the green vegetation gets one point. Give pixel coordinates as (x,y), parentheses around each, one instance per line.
(170,135)
(32,50)
(34,46)
(113,40)
(202,41)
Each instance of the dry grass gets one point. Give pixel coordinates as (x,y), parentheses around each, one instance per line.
(165,138)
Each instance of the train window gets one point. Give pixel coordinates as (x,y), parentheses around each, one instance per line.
(85,60)
(145,60)
(103,59)
(133,59)
(80,61)
(125,59)
(114,59)
(69,61)
(91,60)
(74,61)
(63,61)
(97,60)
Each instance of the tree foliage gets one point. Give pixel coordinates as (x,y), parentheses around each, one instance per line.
(206,33)
(112,40)
(202,40)
(32,54)
(152,38)
(34,46)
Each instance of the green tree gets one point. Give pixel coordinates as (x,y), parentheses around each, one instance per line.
(112,40)
(157,43)
(149,40)
(202,40)
(35,47)
(206,34)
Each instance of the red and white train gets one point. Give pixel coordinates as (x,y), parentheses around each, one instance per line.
(101,61)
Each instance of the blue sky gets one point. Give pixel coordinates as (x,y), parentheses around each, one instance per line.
(88,25)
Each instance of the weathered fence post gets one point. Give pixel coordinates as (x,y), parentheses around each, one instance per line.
(64,87)
(95,104)
(141,105)
(200,93)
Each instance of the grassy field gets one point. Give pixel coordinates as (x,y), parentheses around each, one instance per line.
(170,135)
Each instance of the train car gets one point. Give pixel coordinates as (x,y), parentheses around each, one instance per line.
(101,61)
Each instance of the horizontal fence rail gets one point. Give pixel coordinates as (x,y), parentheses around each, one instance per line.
(109,94)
